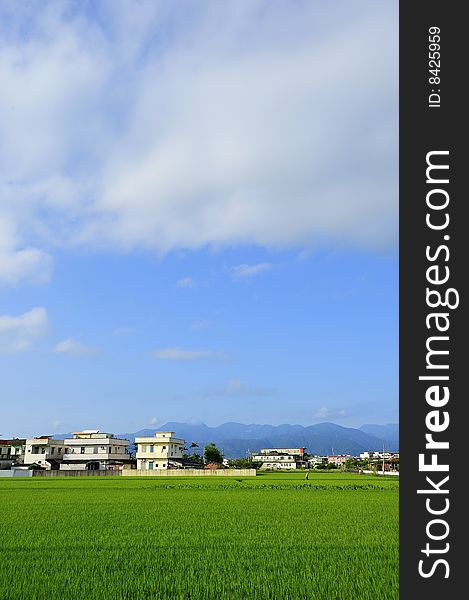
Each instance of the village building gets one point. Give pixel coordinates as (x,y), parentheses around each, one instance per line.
(376,460)
(11,452)
(94,450)
(280,458)
(43,451)
(338,459)
(161,451)
(316,459)
(370,455)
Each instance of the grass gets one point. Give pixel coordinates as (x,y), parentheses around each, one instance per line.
(276,536)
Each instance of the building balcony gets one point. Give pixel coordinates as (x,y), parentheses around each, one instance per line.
(87,456)
(31,458)
(158,455)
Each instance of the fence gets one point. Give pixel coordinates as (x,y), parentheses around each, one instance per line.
(132,473)
(76,473)
(190,473)
(15,473)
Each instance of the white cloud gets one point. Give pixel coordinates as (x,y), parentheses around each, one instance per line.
(20,264)
(181,354)
(185,282)
(153,421)
(18,333)
(250,123)
(73,348)
(325,413)
(26,265)
(248,271)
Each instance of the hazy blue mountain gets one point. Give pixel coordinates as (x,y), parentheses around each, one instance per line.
(389,433)
(237,439)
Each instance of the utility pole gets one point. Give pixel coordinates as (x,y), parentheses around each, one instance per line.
(383,460)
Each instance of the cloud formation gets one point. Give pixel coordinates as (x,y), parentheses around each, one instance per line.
(72,347)
(326,414)
(185,282)
(18,333)
(20,264)
(248,271)
(161,126)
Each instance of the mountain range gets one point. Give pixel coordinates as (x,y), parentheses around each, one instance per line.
(237,440)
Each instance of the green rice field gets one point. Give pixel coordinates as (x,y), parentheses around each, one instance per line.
(274,536)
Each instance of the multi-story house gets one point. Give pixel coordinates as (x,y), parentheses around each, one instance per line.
(44,451)
(280,458)
(338,459)
(159,451)
(316,459)
(11,452)
(92,449)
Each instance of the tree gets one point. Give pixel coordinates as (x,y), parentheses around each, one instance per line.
(351,464)
(212,454)
(195,458)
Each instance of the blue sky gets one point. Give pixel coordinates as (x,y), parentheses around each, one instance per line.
(198,214)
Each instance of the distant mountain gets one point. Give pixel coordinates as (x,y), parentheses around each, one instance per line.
(237,439)
(389,433)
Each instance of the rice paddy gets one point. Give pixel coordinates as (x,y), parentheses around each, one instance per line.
(273,537)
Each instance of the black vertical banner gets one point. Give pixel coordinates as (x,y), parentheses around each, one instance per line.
(433,275)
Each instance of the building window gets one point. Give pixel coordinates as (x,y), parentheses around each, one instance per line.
(150,465)
(52,450)
(152,447)
(163,465)
(82,450)
(164,448)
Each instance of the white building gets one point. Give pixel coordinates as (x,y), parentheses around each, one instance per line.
(316,459)
(338,459)
(280,458)
(44,451)
(12,452)
(275,461)
(159,451)
(379,455)
(92,449)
